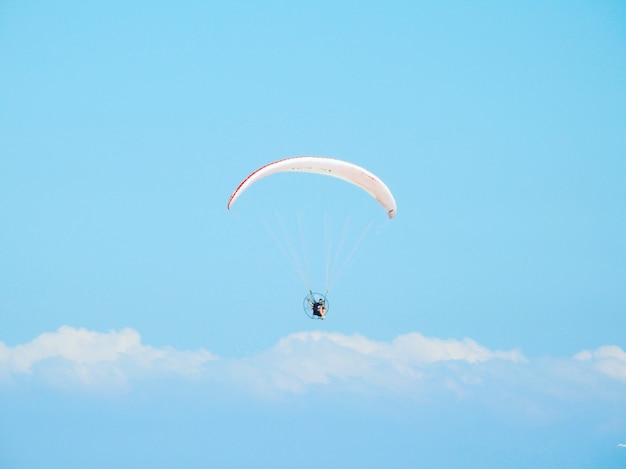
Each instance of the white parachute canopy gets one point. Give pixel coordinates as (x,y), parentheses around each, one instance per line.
(328,167)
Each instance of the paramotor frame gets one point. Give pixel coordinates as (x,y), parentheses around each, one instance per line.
(310,300)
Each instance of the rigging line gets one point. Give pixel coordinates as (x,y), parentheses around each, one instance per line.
(300,256)
(303,247)
(382,227)
(279,244)
(353,252)
(328,250)
(286,248)
(339,250)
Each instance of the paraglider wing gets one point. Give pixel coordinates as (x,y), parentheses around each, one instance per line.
(329,167)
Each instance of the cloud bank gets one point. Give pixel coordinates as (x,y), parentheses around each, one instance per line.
(406,365)
(410,366)
(78,358)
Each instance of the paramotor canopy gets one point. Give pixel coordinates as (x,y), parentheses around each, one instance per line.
(328,167)
(316,304)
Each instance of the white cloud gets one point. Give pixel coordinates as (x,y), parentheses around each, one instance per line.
(609,360)
(410,366)
(411,348)
(78,357)
(310,358)
(419,349)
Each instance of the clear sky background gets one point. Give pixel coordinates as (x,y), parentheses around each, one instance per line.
(144,325)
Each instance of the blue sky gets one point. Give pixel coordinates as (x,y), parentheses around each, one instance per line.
(144,325)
